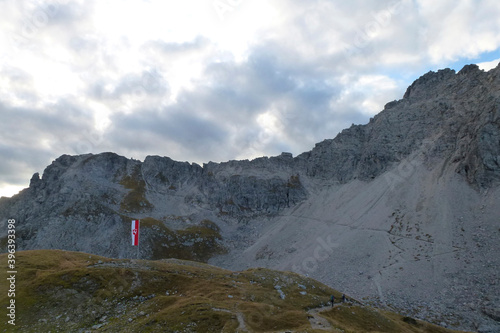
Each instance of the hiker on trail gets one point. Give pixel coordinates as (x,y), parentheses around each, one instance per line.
(343,298)
(332,299)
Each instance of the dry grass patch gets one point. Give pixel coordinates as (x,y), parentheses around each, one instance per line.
(62,291)
(358,319)
(135,200)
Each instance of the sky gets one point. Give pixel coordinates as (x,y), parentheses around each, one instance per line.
(219,80)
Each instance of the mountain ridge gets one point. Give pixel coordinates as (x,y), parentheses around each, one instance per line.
(413,191)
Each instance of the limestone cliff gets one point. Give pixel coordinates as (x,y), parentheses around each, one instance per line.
(403,210)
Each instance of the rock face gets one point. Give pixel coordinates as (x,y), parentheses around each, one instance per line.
(403,211)
(456,114)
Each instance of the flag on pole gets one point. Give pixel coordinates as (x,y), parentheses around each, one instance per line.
(135,232)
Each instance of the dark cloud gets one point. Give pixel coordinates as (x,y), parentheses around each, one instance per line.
(143,85)
(20,83)
(218,119)
(18,164)
(32,138)
(53,122)
(326,65)
(164,131)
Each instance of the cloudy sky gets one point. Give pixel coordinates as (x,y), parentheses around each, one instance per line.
(204,80)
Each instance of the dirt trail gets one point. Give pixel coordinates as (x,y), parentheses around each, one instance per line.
(318,322)
(239,316)
(241,321)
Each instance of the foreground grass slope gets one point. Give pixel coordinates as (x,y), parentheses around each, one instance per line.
(61,291)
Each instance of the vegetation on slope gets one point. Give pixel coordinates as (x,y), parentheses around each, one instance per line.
(135,200)
(60,291)
(355,318)
(199,243)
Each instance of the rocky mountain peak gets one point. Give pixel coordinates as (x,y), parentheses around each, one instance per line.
(411,196)
(428,82)
(437,113)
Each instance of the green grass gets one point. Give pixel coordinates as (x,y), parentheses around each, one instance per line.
(3,243)
(198,243)
(294,182)
(86,287)
(135,200)
(62,291)
(365,319)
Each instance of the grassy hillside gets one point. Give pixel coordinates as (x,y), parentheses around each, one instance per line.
(199,243)
(61,291)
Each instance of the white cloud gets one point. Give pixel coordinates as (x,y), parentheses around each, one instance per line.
(461,29)
(8,190)
(486,66)
(267,76)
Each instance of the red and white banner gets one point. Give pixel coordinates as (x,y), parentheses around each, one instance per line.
(135,232)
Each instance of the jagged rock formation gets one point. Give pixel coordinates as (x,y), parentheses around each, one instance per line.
(403,210)
(456,113)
